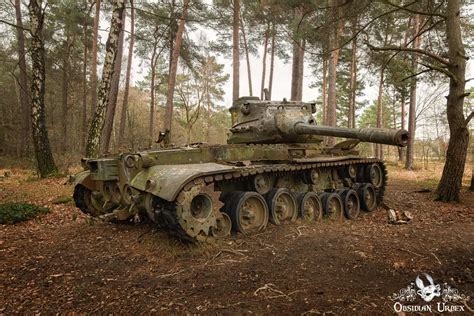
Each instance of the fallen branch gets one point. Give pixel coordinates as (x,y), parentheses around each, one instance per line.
(271,287)
(412,252)
(439,261)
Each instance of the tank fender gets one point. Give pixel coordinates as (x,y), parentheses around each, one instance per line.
(165,181)
(82,178)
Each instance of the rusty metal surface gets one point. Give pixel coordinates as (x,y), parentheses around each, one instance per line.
(372,135)
(269,140)
(169,179)
(260,122)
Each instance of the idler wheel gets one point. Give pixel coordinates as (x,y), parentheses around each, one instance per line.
(87,201)
(309,206)
(351,203)
(374,175)
(367,197)
(333,207)
(223,226)
(248,211)
(282,206)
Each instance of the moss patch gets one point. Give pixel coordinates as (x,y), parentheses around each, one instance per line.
(11,213)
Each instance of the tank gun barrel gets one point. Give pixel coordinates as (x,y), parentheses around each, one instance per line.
(372,135)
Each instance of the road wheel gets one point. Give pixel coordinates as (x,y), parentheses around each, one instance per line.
(282,206)
(248,212)
(309,206)
(351,203)
(223,226)
(367,197)
(332,206)
(374,175)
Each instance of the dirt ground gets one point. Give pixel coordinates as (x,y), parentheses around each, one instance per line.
(66,262)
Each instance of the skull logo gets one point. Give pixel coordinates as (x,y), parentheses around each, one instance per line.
(430,291)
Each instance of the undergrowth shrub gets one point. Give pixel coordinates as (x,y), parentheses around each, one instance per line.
(11,213)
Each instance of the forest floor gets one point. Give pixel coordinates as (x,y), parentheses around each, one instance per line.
(66,262)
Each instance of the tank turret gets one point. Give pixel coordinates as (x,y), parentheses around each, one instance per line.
(255,121)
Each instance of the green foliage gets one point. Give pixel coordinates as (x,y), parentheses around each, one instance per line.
(11,213)
(369,115)
(198,94)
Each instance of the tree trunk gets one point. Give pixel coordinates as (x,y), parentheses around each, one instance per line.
(295,70)
(324,93)
(94,57)
(247,57)
(449,186)
(332,68)
(471,187)
(44,156)
(123,116)
(353,82)
(379,148)
(151,125)
(103,92)
(299,91)
(114,87)
(235,51)
(264,60)
(84,89)
(171,34)
(295,67)
(174,67)
(24,97)
(412,106)
(65,93)
(272,63)
(401,150)
(208,101)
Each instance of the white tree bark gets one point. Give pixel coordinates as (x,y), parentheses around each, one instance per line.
(97,124)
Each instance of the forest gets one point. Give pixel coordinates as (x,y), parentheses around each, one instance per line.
(60,79)
(97,78)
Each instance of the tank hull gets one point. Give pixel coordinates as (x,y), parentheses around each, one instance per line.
(203,191)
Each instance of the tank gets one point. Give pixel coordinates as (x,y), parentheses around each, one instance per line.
(275,168)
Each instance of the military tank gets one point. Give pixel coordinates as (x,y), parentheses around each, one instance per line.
(275,168)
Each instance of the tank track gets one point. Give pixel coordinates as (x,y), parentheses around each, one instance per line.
(167,212)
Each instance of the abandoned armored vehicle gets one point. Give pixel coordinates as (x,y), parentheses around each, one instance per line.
(274,169)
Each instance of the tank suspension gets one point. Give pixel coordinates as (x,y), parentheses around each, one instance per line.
(207,207)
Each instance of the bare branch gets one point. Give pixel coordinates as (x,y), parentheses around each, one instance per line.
(417,74)
(442,70)
(413,50)
(14,25)
(468,119)
(360,30)
(405,8)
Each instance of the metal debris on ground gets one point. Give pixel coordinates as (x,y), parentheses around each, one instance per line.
(399,217)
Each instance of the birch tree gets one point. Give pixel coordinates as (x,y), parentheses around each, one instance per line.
(97,124)
(44,156)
